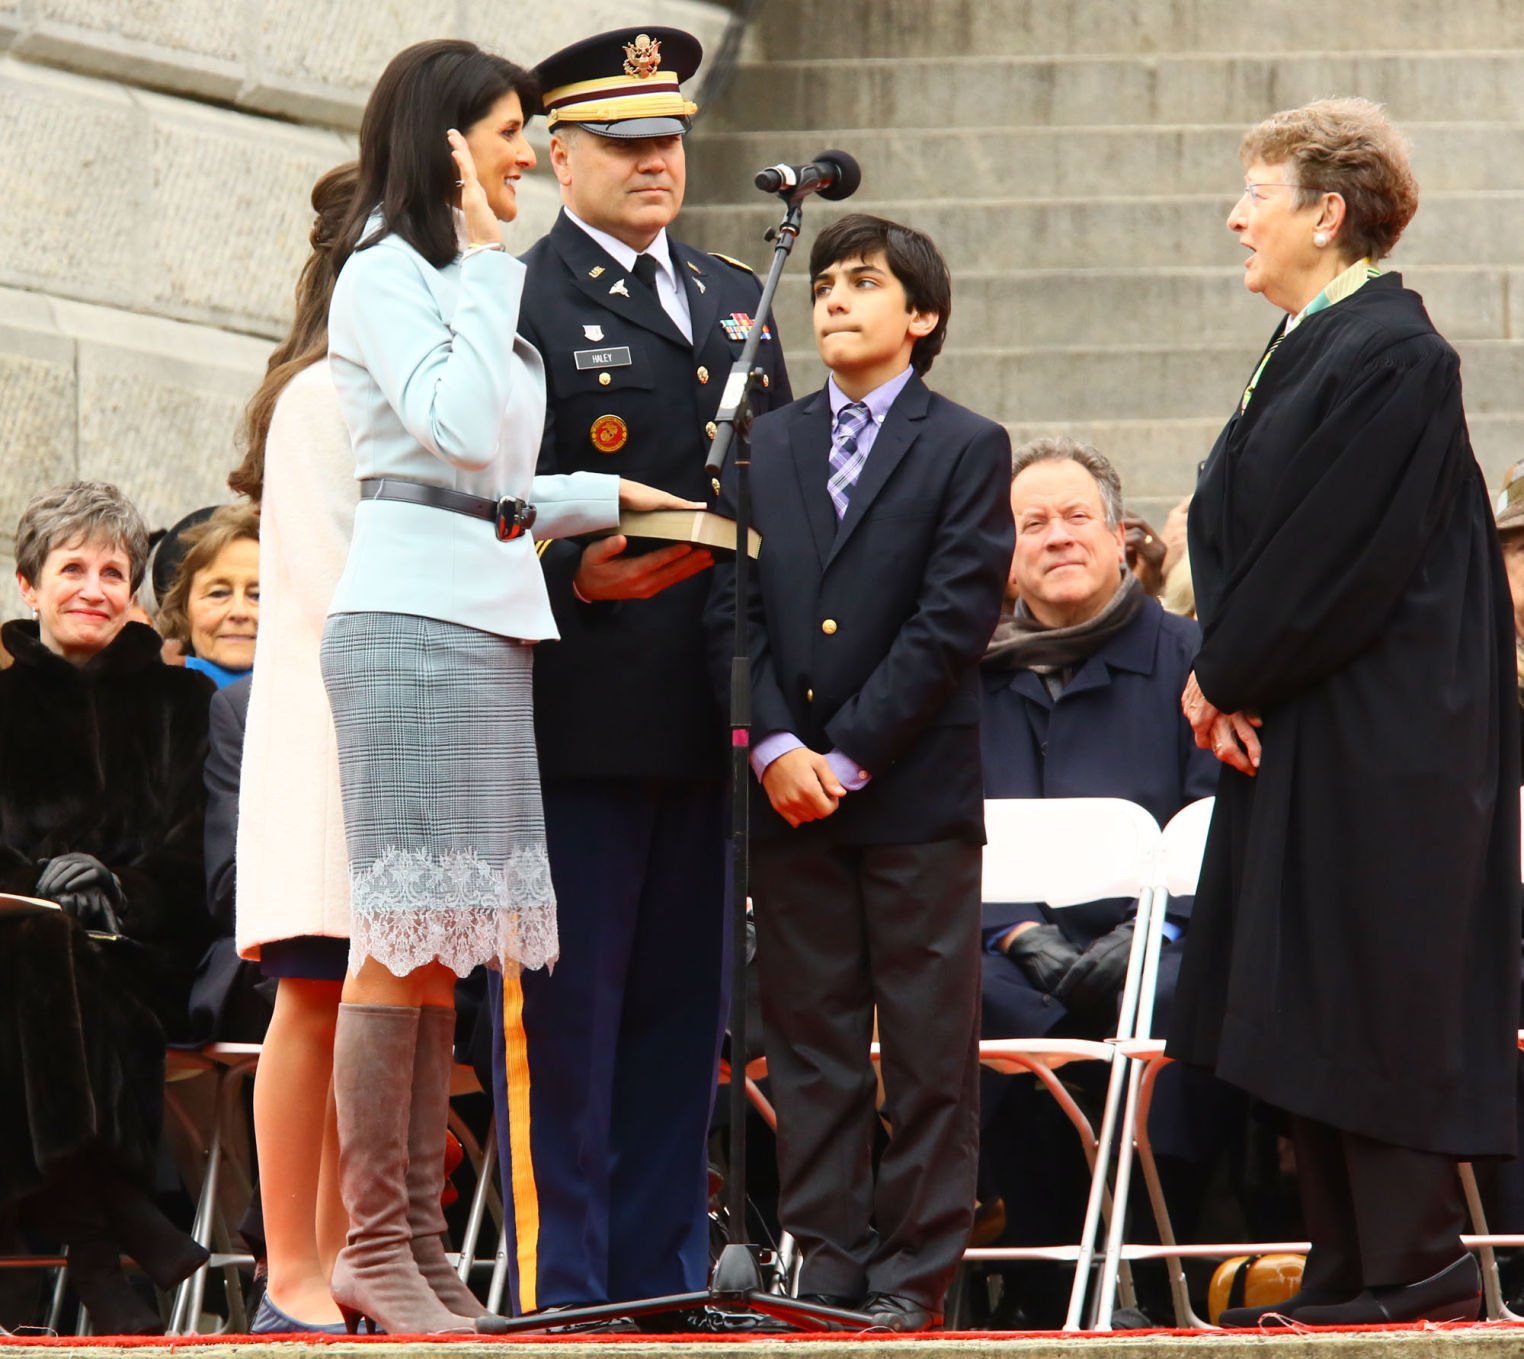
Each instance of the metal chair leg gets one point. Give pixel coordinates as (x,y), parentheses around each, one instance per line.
(499,1284)
(485,1161)
(1492,1284)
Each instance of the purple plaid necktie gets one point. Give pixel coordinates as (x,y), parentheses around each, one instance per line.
(847,458)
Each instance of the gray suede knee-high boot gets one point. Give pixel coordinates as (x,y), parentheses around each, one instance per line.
(375,1275)
(425,1159)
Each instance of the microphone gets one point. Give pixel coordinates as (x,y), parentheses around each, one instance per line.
(832,174)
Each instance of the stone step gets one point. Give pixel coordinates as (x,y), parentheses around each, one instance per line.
(1158,458)
(150,404)
(1167,306)
(1134,232)
(1143,382)
(184,210)
(1066,162)
(312,62)
(189,211)
(1422,85)
(910,31)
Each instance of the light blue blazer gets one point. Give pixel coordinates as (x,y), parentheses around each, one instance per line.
(436,387)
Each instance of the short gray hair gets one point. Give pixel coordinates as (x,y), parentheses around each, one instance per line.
(1062,449)
(81,512)
(1347,147)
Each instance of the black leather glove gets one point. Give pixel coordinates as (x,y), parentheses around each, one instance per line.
(1044,955)
(1093,984)
(84,888)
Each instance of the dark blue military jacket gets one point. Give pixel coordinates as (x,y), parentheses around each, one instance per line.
(625,692)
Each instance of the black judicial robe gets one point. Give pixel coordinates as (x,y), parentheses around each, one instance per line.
(1354,949)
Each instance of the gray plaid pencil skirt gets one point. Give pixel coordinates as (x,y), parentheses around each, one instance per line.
(441,789)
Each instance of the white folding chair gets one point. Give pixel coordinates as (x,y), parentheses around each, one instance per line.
(1183,843)
(1485,1242)
(1181,847)
(1066,852)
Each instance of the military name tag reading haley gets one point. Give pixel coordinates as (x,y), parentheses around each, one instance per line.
(617,357)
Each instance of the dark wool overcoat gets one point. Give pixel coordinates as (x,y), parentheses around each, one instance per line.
(104,759)
(1354,951)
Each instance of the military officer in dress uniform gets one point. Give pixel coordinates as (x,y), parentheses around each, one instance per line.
(606,1069)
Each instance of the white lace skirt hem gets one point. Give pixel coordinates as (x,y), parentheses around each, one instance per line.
(411,907)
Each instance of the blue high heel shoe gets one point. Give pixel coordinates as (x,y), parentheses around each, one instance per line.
(270,1320)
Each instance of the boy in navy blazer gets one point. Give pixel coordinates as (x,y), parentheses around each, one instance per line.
(886,525)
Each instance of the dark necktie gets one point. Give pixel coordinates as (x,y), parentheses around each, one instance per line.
(645,271)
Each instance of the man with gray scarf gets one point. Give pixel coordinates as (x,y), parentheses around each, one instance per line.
(1081,698)
(1082,684)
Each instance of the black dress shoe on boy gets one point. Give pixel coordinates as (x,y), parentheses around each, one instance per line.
(891,1312)
(1279,1313)
(1453,1294)
(841,1301)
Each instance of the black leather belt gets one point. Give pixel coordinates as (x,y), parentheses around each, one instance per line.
(509,515)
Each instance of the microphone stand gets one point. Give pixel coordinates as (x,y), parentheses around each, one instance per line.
(736,1283)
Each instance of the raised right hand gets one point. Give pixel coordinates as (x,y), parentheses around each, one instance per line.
(605,573)
(482,226)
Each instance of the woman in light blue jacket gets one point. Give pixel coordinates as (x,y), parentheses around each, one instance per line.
(428,646)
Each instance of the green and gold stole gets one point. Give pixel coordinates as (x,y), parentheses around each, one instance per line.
(1345,285)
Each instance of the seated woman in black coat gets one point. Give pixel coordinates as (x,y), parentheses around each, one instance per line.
(101,754)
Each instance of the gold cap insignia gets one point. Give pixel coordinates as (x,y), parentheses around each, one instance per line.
(642,58)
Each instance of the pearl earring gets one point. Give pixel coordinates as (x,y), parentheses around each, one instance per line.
(1320,238)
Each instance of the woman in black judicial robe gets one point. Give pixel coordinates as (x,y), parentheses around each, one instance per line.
(1354,946)
(102,748)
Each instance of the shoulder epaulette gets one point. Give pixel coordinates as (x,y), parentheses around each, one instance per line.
(540,546)
(734,263)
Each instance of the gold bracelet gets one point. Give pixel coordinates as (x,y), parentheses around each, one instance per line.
(475,247)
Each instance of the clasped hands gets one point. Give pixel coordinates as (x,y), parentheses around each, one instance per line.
(1232,737)
(84,888)
(802,786)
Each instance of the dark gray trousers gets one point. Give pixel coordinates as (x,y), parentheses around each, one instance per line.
(842,931)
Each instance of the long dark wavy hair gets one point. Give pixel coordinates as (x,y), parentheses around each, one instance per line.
(405,163)
(307,340)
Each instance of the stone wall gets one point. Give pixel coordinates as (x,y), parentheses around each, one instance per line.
(155,161)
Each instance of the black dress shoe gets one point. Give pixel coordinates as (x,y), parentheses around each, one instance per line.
(891,1312)
(1453,1294)
(114,1306)
(1278,1313)
(842,1302)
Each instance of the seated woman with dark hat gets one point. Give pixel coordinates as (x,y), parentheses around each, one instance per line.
(101,754)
